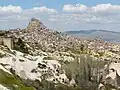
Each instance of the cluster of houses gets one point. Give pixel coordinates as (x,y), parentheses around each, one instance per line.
(38,36)
(57,44)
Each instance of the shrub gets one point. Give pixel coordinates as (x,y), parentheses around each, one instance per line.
(48,58)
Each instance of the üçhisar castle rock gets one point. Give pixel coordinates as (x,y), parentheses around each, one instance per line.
(35,24)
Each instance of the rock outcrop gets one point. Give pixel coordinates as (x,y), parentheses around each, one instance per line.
(111,77)
(35,24)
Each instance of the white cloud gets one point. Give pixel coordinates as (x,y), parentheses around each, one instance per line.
(14,16)
(100,8)
(74,8)
(44,9)
(106,8)
(10,8)
(81,16)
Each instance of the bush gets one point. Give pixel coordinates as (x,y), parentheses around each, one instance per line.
(48,58)
(20,46)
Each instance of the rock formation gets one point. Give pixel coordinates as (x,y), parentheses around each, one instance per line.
(35,24)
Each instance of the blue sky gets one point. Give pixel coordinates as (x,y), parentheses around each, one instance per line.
(61,15)
(54,3)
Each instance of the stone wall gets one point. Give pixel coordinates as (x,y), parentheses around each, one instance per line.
(6,41)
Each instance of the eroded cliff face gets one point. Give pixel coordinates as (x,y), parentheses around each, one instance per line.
(82,71)
(110,77)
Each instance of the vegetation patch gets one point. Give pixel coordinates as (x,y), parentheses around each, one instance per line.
(11,82)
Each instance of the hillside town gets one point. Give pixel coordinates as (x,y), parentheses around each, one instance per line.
(39,53)
(38,36)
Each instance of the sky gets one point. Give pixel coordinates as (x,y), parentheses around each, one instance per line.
(61,15)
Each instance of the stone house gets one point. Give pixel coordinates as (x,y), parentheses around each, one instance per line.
(6,41)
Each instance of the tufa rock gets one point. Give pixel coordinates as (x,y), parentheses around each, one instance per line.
(35,24)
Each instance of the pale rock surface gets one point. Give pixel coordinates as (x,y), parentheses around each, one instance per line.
(3,88)
(33,67)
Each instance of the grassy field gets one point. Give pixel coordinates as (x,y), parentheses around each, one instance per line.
(11,82)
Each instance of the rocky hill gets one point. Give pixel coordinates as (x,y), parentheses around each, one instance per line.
(43,59)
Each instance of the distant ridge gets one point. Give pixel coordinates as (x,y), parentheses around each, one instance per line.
(90,31)
(106,35)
